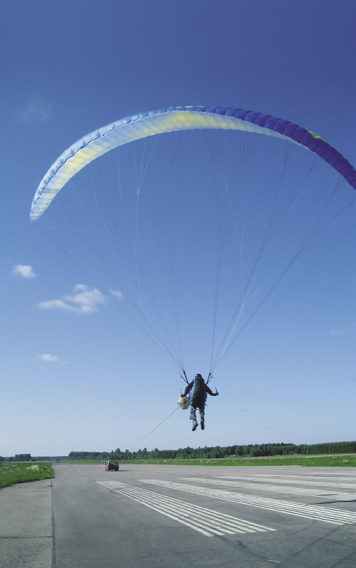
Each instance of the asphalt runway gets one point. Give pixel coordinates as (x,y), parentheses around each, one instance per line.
(181,516)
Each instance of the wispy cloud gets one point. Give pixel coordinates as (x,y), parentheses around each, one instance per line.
(24,270)
(47,357)
(339,332)
(37,110)
(117,294)
(83,301)
(85,385)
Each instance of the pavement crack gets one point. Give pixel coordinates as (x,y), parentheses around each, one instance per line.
(311,544)
(343,560)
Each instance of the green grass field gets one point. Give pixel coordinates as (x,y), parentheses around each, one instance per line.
(19,472)
(333,460)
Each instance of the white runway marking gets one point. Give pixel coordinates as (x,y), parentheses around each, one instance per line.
(315,512)
(294,481)
(342,475)
(281,489)
(205,521)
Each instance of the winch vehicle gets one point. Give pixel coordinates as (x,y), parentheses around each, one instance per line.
(112,466)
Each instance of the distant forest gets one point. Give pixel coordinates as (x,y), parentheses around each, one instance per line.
(28,457)
(256,450)
(219,452)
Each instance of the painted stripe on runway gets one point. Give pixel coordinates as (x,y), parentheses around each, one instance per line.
(294,482)
(280,489)
(315,512)
(205,521)
(310,478)
(344,476)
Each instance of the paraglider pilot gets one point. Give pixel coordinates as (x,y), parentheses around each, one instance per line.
(197,399)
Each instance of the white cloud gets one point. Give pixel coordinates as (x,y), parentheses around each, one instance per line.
(340,332)
(24,270)
(47,357)
(117,294)
(85,385)
(83,301)
(37,110)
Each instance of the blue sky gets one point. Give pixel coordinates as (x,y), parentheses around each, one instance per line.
(80,375)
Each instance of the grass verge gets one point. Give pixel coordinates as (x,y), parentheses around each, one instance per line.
(19,472)
(331,460)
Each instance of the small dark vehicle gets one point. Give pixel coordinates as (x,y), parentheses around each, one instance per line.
(112,466)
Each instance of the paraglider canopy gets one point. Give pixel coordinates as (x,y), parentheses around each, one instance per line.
(229,227)
(172,119)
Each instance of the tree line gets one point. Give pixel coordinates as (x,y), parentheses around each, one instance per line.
(251,450)
(19,458)
(28,457)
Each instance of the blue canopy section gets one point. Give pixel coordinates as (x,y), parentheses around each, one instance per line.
(172,119)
